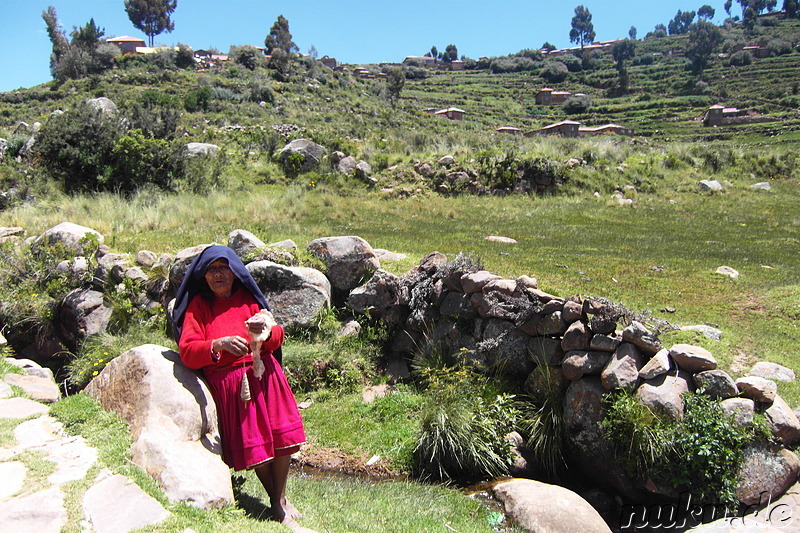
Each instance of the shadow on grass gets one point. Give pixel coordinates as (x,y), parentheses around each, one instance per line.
(253,506)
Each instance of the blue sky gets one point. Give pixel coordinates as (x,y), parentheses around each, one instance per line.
(353,31)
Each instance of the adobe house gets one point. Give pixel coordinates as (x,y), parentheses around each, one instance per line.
(329,62)
(424,60)
(127,44)
(565,128)
(717,115)
(758,52)
(605,129)
(548,96)
(452,113)
(456,64)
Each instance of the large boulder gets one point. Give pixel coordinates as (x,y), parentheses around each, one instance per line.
(588,447)
(180,265)
(173,423)
(543,508)
(349,260)
(243,242)
(310,153)
(379,298)
(622,370)
(201,149)
(295,294)
(70,236)
(692,358)
(82,313)
(766,468)
(105,105)
(783,422)
(638,335)
(664,393)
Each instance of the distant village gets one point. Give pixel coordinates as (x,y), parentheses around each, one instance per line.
(717,115)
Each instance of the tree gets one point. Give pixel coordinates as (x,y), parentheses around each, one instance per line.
(395,82)
(434,53)
(704,37)
(548,46)
(680,24)
(87,36)
(312,51)
(280,46)
(727,6)
(582,31)
(706,12)
(632,33)
(450,53)
(151,16)
(791,8)
(57,37)
(623,51)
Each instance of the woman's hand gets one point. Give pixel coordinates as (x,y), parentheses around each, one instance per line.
(260,325)
(233,344)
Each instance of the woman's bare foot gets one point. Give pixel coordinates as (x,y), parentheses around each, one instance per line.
(283,511)
(297,528)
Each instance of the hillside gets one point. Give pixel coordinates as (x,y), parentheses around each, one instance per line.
(663,103)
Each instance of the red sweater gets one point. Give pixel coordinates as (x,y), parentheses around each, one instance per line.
(206,320)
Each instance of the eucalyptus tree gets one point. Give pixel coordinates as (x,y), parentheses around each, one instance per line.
(151,16)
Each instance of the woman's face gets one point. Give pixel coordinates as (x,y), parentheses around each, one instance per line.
(220,278)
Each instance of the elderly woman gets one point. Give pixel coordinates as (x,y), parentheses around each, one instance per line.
(259,421)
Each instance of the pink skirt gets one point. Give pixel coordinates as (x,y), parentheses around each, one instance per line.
(267,426)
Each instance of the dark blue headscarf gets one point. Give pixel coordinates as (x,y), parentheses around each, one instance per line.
(194,283)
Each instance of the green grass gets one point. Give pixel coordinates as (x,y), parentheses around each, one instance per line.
(330,503)
(385,427)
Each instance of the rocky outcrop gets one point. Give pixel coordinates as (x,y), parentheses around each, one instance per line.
(173,422)
(310,154)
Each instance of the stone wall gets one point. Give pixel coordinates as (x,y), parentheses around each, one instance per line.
(582,347)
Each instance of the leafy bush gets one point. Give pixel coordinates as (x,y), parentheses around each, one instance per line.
(197,99)
(554,71)
(138,160)
(579,103)
(249,57)
(741,58)
(75,148)
(701,453)
(779,47)
(86,149)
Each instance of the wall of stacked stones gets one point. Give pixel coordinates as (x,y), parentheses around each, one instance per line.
(582,348)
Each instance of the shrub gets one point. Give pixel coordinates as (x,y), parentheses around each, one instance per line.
(138,160)
(184,57)
(573,63)
(701,453)
(197,99)
(741,58)
(75,147)
(554,71)
(577,104)
(249,57)
(779,47)
(463,428)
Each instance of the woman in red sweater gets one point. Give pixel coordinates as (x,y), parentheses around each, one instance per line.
(213,303)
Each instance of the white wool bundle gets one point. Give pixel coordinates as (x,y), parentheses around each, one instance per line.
(266,319)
